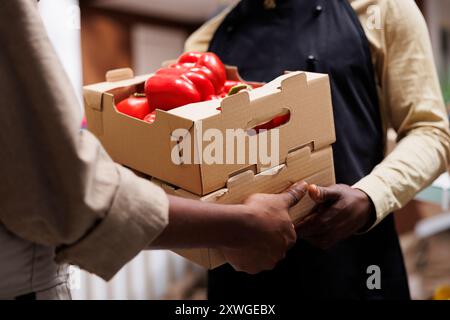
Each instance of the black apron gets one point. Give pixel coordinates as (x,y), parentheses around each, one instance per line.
(325,37)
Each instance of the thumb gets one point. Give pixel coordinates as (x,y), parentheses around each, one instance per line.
(294,194)
(323,194)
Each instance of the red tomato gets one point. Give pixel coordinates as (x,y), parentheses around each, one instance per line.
(135,106)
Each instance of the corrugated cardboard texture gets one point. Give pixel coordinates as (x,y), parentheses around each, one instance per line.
(314,167)
(147,147)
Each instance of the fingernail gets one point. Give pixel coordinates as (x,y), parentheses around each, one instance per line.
(313,190)
(303,186)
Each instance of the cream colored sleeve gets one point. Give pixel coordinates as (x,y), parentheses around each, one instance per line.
(59,187)
(415,109)
(411,98)
(200,39)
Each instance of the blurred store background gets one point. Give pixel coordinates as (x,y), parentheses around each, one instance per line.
(94,36)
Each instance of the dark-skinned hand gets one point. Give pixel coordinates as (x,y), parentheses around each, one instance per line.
(341,211)
(270,231)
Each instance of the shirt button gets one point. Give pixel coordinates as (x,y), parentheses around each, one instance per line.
(311,63)
(312,58)
(230,29)
(319,9)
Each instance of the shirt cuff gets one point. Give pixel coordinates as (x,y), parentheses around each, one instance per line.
(375,189)
(138,214)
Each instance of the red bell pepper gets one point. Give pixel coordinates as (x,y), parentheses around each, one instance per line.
(216,96)
(274,123)
(190,57)
(229,84)
(135,106)
(167,90)
(199,70)
(200,81)
(280,120)
(209,60)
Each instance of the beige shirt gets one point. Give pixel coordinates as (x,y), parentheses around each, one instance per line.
(410,95)
(59,187)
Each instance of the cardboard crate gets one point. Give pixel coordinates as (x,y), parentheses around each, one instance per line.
(302,164)
(151,148)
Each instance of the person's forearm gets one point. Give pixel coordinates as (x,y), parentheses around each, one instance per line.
(395,181)
(197,224)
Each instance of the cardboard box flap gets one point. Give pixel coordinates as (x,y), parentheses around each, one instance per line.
(109,86)
(93,99)
(119,75)
(298,78)
(294,81)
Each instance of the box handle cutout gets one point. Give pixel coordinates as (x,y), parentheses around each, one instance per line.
(268,123)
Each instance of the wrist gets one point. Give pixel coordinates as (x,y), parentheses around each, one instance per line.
(195,224)
(236,228)
(370,215)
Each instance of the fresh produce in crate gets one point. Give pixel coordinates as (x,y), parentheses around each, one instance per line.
(136,106)
(195,77)
(209,61)
(170,88)
(168,150)
(217,96)
(230,84)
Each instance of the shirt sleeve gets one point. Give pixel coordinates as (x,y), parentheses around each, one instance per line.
(59,187)
(413,106)
(200,39)
(410,95)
